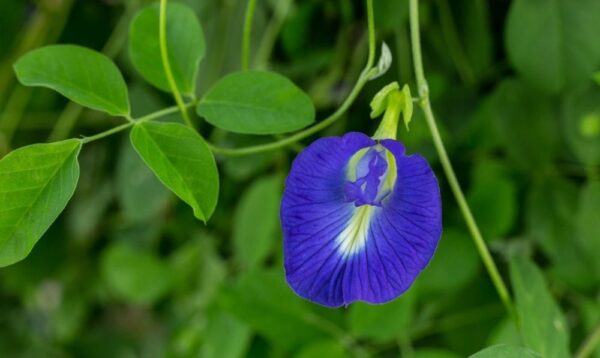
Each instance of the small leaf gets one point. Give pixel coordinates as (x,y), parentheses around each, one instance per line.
(181,159)
(80,74)
(543,325)
(554,43)
(226,337)
(256,220)
(407,110)
(379,101)
(384,63)
(505,351)
(382,322)
(134,275)
(185,46)
(36,182)
(257,102)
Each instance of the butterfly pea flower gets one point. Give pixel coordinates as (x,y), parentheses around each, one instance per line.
(361,218)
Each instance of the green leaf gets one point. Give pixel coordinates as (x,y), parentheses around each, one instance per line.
(506,351)
(226,337)
(493,199)
(80,74)
(525,121)
(551,223)
(181,159)
(36,182)
(134,275)
(382,322)
(543,325)
(141,196)
(256,220)
(321,349)
(257,102)
(588,224)
(266,303)
(581,121)
(185,46)
(554,43)
(445,273)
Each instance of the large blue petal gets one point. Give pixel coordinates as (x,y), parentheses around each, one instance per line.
(401,235)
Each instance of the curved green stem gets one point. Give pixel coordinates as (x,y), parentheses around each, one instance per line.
(423,89)
(164,54)
(590,343)
(131,123)
(362,80)
(247,34)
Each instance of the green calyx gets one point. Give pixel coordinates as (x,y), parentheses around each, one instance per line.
(392,102)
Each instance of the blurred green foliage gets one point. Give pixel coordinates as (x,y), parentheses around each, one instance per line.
(128,271)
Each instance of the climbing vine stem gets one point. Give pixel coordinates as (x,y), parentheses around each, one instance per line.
(425,105)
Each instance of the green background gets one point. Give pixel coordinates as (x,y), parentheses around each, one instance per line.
(127,271)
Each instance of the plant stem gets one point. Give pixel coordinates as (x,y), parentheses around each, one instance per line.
(589,345)
(247,34)
(129,124)
(162,38)
(362,80)
(423,89)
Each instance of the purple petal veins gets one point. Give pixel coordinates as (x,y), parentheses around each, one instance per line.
(360,220)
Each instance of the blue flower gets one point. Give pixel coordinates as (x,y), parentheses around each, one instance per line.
(360,220)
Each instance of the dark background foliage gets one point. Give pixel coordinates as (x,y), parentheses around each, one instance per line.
(127,271)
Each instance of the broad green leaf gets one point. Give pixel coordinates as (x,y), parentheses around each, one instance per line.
(588,223)
(226,337)
(543,325)
(264,301)
(257,102)
(581,119)
(181,159)
(554,43)
(321,349)
(141,196)
(256,220)
(36,182)
(445,273)
(526,122)
(382,322)
(185,46)
(80,74)
(506,351)
(135,275)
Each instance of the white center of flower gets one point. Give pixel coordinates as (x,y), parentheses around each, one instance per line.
(354,236)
